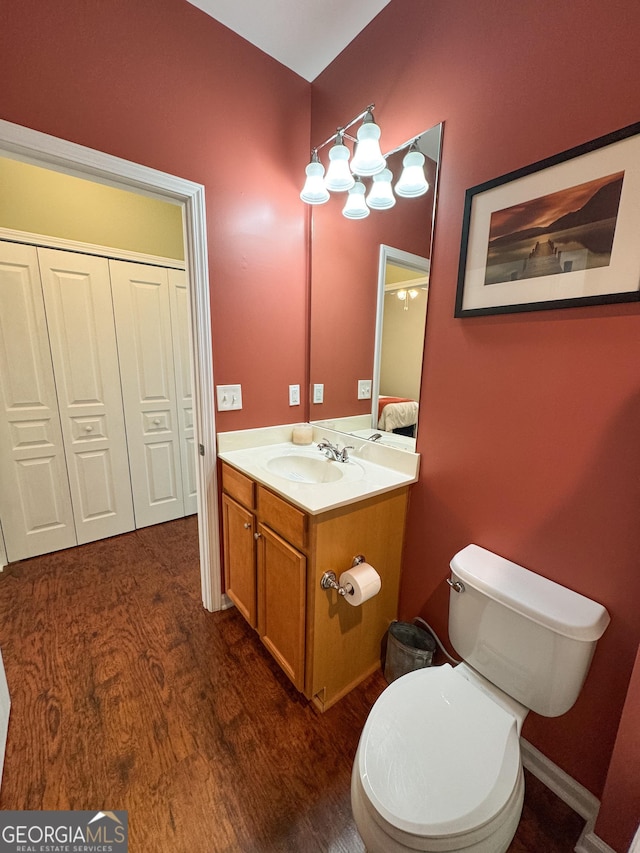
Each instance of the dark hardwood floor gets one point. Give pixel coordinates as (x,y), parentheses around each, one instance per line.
(127,694)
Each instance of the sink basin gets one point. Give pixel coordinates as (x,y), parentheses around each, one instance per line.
(305,469)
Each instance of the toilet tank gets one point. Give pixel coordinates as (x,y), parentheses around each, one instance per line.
(531,637)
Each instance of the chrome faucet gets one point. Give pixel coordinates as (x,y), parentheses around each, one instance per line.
(332,451)
(375,437)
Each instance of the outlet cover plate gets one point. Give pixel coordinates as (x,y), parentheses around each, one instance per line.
(364,389)
(294,395)
(318,393)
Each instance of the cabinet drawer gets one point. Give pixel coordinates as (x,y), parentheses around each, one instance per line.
(239,486)
(282,517)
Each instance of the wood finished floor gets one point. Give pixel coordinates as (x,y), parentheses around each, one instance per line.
(127,694)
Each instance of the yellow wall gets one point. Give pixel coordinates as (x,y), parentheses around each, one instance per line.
(42,201)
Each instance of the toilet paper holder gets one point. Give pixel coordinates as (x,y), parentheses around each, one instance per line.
(329,580)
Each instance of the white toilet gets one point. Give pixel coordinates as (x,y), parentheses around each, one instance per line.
(438,767)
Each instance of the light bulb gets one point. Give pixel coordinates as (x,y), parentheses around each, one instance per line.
(314,190)
(367,159)
(355,206)
(339,177)
(381,195)
(412,181)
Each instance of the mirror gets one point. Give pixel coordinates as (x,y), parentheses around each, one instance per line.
(361,352)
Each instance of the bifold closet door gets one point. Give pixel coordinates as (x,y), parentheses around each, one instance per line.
(141,303)
(35,499)
(179,302)
(77,296)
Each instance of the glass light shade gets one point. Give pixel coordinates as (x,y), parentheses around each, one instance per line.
(339,177)
(367,159)
(412,181)
(381,195)
(314,190)
(355,206)
(401,294)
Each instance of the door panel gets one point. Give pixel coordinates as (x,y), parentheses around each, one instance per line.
(179,299)
(77,297)
(143,320)
(282,602)
(35,500)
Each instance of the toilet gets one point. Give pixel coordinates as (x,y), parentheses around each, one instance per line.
(438,766)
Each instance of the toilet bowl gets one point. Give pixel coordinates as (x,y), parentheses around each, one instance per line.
(438,767)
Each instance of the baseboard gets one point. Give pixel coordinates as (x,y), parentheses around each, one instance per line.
(572,793)
(590,843)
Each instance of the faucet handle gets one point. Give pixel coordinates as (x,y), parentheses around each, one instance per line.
(344,454)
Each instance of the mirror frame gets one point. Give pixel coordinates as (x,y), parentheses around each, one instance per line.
(408,260)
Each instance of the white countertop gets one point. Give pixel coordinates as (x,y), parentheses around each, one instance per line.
(371,470)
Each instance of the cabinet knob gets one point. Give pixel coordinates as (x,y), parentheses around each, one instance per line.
(247,525)
(156,421)
(257,536)
(88,428)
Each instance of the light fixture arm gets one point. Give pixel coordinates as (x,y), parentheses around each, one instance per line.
(341,130)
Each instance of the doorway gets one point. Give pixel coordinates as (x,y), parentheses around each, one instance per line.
(39,149)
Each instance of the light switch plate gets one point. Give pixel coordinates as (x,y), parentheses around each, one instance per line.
(318,393)
(294,395)
(229,397)
(364,389)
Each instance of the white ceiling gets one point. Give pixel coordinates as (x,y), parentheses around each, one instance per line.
(304,35)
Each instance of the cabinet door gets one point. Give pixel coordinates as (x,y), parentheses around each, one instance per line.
(180,325)
(143,324)
(35,502)
(77,297)
(238,527)
(282,602)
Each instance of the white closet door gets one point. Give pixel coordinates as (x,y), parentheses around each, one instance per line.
(77,296)
(143,322)
(35,502)
(179,301)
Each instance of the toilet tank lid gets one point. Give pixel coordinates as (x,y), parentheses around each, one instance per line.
(542,600)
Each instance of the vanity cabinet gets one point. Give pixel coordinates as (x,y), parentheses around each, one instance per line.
(274,557)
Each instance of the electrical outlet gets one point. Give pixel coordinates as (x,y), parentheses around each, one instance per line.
(364,389)
(229,397)
(294,395)
(318,393)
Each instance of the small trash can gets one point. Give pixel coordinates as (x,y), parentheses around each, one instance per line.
(408,647)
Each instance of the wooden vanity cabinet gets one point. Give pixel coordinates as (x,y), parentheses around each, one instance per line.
(323,644)
(239,542)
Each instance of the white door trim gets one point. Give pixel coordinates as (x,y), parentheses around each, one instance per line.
(40,149)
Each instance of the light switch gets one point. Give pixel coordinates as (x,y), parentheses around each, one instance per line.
(294,395)
(318,393)
(229,397)
(364,389)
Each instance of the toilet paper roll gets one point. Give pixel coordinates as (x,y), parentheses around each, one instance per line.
(364,582)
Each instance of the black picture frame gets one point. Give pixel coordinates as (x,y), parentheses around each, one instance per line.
(560,233)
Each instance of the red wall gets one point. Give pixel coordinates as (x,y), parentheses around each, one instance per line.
(530,424)
(620,813)
(160,83)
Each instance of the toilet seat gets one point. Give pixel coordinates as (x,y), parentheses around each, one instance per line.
(437,756)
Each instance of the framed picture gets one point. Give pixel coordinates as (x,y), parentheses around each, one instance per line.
(560,233)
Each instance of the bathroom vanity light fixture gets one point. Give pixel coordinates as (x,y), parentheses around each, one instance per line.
(412,181)
(344,175)
(355,206)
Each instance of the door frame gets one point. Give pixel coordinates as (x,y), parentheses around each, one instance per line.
(41,149)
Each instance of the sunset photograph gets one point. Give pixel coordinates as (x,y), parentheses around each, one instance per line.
(562,232)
